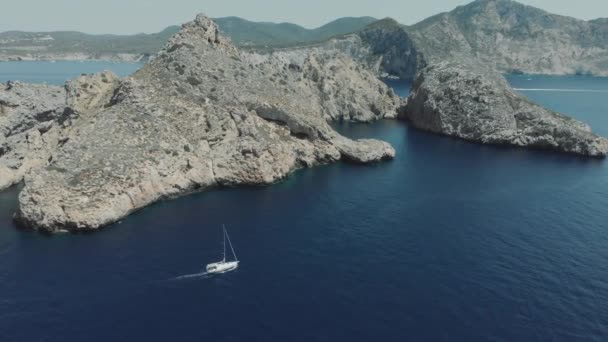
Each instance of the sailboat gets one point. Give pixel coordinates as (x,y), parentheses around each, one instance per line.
(224,266)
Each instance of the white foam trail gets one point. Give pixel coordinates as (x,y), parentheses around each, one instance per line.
(194,275)
(563,90)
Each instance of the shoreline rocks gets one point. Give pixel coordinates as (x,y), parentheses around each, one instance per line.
(36,119)
(205,114)
(76,57)
(477,104)
(202,114)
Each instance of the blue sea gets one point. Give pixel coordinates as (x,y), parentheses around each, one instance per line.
(57,72)
(451,241)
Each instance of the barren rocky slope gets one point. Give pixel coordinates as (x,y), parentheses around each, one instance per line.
(18,45)
(384,47)
(36,119)
(512,37)
(505,35)
(202,114)
(477,104)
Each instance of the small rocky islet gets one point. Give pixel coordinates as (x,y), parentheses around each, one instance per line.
(475,103)
(204,114)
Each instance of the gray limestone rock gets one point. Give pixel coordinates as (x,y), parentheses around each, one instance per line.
(477,104)
(36,119)
(202,114)
(512,37)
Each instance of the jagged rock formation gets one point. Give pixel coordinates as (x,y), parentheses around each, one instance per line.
(502,34)
(474,103)
(35,120)
(512,37)
(384,47)
(202,114)
(247,33)
(20,46)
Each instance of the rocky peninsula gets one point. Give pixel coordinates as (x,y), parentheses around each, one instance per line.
(477,104)
(514,38)
(202,114)
(504,35)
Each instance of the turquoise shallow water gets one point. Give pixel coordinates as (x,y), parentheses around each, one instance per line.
(451,241)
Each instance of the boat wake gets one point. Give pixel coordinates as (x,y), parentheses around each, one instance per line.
(193,276)
(563,90)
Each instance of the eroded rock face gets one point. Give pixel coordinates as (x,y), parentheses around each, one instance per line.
(36,119)
(513,37)
(384,48)
(32,119)
(502,34)
(202,114)
(477,104)
(90,93)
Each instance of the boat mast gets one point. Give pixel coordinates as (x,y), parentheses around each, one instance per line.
(224,228)
(230,243)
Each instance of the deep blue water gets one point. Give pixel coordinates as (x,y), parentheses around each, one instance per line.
(60,71)
(451,241)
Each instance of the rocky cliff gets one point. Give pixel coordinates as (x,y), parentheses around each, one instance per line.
(477,104)
(36,119)
(502,34)
(384,47)
(201,114)
(506,35)
(512,37)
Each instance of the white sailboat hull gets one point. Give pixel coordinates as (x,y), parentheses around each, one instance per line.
(222,267)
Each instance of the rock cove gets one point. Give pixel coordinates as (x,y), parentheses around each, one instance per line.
(508,36)
(204,113)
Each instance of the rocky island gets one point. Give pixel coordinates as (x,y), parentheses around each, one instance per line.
(202,114)
(514,38)
(477,104)
(503,34)
(508,36)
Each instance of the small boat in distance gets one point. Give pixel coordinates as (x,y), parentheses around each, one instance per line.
(224,266)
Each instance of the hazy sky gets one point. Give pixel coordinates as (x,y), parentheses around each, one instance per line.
(132,16)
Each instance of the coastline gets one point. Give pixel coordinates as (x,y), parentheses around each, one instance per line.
(78,57)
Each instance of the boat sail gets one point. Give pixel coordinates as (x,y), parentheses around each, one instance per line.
(224,266)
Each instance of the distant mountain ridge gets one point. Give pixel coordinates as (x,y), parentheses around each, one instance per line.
(506,35)
(247,33)
(76,45)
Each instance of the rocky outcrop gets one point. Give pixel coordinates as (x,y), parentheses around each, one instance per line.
(394,49)
(32,119)
(383,47)
(477,104)
(512,37)
(90,93)
(201,114)
(35,120)
(502,34)
(505,35)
